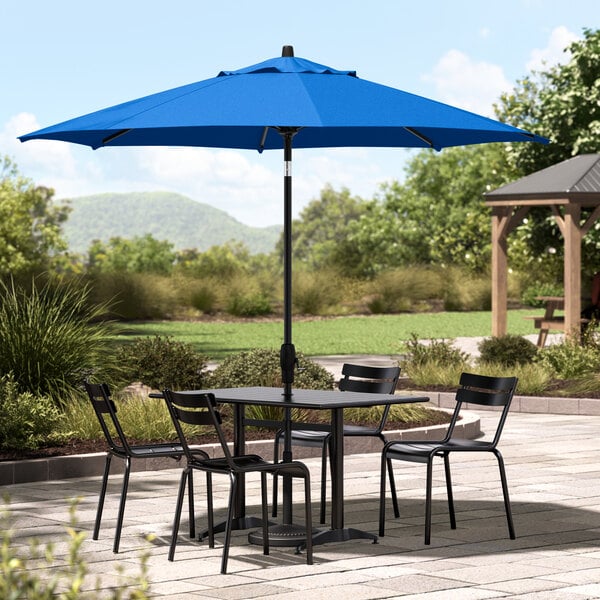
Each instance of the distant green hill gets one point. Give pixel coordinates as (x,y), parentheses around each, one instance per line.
(166,216)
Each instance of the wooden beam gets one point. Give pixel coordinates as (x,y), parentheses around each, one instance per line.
(590,221)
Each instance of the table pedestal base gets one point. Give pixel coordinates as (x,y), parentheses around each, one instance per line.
(295,535)
(237,524)
(282,535)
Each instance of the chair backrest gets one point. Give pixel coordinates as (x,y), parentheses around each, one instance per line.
(374,380)
(196,409)
(484,391)
(106,411)
(371,380)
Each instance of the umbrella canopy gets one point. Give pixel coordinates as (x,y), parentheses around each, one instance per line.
(246,108)
(267,106)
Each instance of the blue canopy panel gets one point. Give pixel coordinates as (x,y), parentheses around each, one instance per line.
(330,108)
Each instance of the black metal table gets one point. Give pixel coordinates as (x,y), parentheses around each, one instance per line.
(289,534)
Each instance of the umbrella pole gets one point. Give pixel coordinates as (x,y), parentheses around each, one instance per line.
(288,351)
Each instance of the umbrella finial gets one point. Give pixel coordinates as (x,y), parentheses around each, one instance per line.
(288,51)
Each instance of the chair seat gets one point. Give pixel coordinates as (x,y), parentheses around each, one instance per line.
(252,462)
(415,451)
(319,437)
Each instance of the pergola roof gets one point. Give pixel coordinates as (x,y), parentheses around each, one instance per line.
(576,179)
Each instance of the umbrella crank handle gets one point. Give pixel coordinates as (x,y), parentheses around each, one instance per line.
(288,362)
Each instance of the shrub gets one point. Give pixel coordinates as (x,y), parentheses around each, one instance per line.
(261,367)
(51,337)
(508,350)
(163,363)
(569,360)
(27,422)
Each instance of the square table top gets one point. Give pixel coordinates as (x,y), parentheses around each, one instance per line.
(314,399)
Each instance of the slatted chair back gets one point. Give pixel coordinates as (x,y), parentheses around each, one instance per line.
(106,412)
(196,409)
(484,391)
(375,380)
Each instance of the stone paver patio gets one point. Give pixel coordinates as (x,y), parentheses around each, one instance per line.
(553,469)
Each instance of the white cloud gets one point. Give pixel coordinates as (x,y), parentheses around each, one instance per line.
(46,156)
(463,82)
(554,53)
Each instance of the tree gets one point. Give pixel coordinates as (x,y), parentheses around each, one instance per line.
(30,225)
(322,228)
(437,216)
(137,255)
(562,104)
(225,262)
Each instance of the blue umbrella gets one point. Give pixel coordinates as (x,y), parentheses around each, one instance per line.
(275,104)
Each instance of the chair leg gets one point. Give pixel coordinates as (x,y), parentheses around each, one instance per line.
(511,528)
(265,512)
(192,516)
(449,490)
(210,510)
(102,496)
(308,520)
(122,505)
(177,517)
(228,524)
(393,489)
(384,462)
(428,501)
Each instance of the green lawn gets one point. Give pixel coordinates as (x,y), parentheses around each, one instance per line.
(377,334)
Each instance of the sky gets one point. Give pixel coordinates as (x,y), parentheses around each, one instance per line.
(66,58)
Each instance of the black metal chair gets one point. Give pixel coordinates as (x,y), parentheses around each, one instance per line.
(119,446)
(201,409)
(355,378)
(474,389)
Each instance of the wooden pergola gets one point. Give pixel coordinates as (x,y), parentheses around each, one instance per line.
(565,188)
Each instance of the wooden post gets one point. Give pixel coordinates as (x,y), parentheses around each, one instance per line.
(499,270)
(572,270)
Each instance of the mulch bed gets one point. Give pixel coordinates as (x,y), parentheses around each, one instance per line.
(77,446)
(557,388)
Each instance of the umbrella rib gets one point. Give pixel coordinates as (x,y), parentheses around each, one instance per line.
(263,139)
(114,136)
(422,137)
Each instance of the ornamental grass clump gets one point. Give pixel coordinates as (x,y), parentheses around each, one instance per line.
(52,337)
(435,362)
